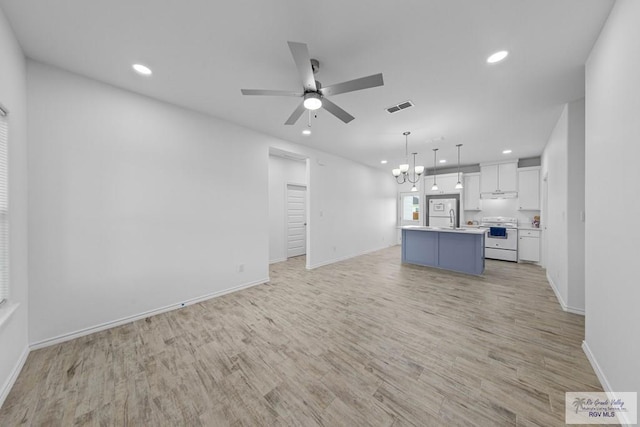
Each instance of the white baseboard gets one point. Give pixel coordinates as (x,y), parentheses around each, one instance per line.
(273,261)
(563,304)
(606,386)
(346,257)
(6,387)
(112,324)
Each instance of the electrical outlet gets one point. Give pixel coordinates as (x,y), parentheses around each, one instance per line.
(240,268)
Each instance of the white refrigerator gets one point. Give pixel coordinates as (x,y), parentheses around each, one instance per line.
(440,212)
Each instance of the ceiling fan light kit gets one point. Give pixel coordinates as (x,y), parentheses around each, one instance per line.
(312,101)
(313,94)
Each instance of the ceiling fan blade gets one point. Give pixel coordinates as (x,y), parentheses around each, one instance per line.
(300,54)
(336,111)
(293,118)
(357,84)
(270,92)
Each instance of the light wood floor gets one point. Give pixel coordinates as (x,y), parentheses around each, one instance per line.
(367,341)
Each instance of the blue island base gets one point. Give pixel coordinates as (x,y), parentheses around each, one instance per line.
(451,250)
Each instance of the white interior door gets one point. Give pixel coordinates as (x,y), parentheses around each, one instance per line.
(296,220)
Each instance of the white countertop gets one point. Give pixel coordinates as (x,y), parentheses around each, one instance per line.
(445,229)
(528,227)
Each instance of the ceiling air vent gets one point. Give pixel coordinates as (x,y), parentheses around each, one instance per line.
(401,106)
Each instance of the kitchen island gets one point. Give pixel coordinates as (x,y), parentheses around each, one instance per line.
(460,249)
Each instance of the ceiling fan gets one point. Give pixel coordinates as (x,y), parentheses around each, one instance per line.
(313,94)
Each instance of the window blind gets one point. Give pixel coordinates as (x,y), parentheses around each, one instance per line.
(4,209)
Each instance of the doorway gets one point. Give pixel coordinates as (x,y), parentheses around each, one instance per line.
(296,228)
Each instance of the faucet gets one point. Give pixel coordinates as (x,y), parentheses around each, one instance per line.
(452,218)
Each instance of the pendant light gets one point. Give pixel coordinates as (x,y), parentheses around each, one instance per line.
(402,172)
(459,184)
(434,187)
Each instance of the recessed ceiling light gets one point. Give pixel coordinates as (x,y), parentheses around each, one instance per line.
(384,162)
(142,69)
(443,161)
(497,57)
(506,151)
(306,132)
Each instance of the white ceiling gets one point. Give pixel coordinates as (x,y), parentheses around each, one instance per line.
(433,53)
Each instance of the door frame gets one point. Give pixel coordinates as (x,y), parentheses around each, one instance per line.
(544,220)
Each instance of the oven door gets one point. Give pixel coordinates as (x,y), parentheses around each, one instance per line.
(497,240)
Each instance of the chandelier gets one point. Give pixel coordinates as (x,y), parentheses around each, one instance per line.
(402,173)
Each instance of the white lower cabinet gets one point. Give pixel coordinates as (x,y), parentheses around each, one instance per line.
(529,245)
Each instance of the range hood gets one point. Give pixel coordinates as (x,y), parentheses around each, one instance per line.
(499,195)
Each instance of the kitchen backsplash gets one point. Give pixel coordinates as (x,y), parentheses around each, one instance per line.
(501,207)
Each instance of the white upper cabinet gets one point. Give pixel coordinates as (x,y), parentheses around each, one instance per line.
(471,192)
(529,189)
(446,184)
(508,177)
(489,178)
(499,177)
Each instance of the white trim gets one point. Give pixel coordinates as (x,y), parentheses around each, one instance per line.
(346,257)
(274,261)
(596,367)
(8,384)
(563,304)
(108,325)
(530,168)
(606,386)
(500,162)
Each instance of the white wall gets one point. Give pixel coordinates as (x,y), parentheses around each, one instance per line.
(576,203)
(563,165)
(138,205)
(281,172)
(13,330)
(352,207)
(612,176)
(554,167)
(135,204)
(352,210)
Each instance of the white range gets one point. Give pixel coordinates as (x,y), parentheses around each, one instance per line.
(501,239)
